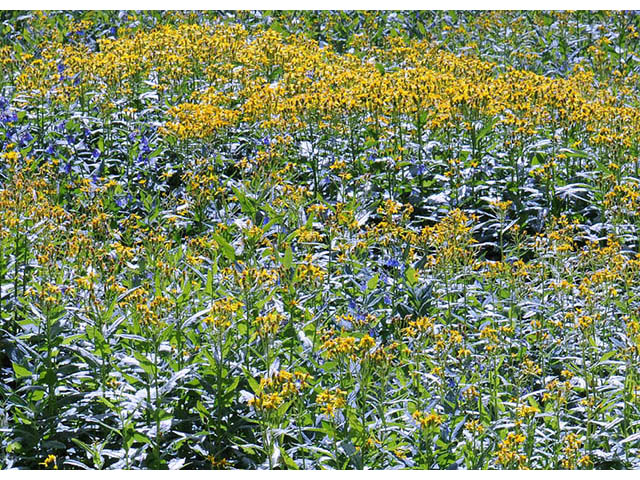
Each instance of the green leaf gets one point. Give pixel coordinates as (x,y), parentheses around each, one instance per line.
(287,261)
(234,384)
(255,386)
(372,283)
(411,276)
(246,205)
(226,248)
(20,371)
(139,437)
(288,461)
(309,223)
(145,363)
(73,338)
(14,447)
(202,409)
(107,403)
(209,288)
(81,444)
(37,395)
(279,28)
(422,30)
(607,356)
(533,403)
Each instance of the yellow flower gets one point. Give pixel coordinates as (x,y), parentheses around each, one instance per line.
(427,421)
(524,411)
(51,459)
(474,426)
(221,464)
(508,450)
(332,401)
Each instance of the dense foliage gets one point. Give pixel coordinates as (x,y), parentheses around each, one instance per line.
(319,240)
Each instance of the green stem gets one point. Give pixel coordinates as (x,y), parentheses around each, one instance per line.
(157,406)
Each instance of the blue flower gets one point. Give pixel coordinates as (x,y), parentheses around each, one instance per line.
(145,146)
(345,324)
(8,117)
(393,263)
(25,139)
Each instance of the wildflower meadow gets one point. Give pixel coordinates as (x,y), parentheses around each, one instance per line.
(319,240)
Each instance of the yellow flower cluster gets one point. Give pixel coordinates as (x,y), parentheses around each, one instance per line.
(269,324)
(331,401)
(276,389)
(508,451)
(526,411)
(418,326)
(348,346)
(427,421)
(222,312)
(281,83)
(451,238)
(571,451)
(50,460)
